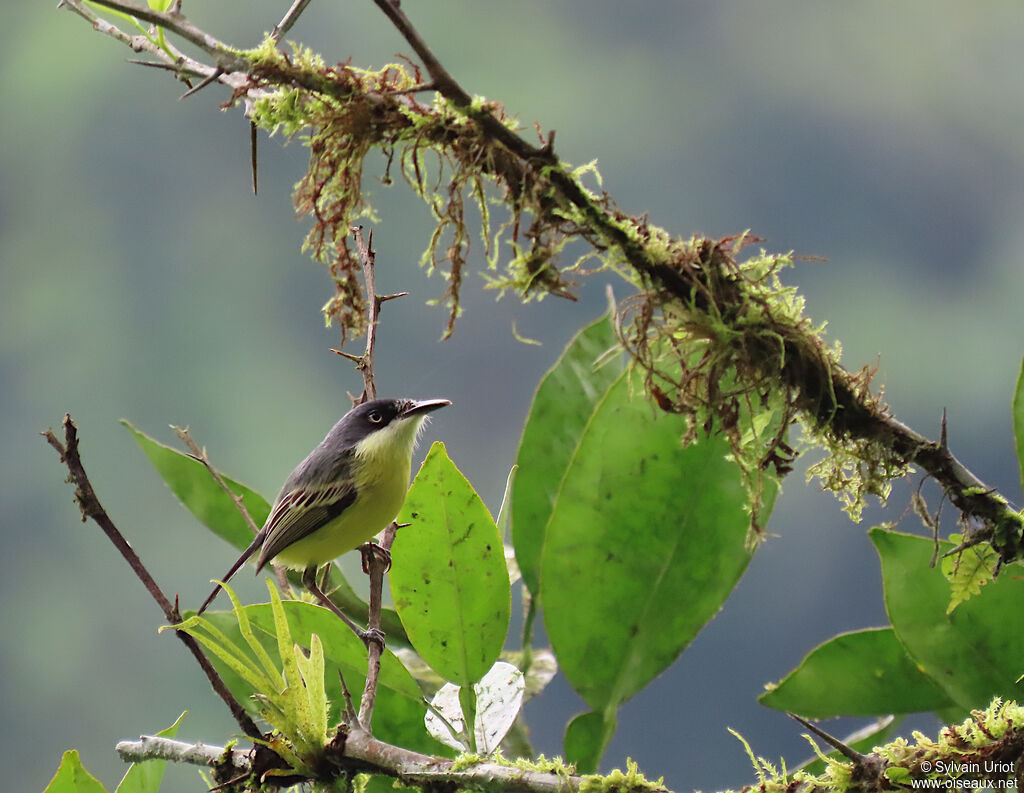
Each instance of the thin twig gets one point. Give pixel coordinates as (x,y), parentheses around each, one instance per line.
(349,712)
(364,363)
(174,61)
(288,20)
(367,258)
(90,506)
(199,454)
(377,564)
(227,57)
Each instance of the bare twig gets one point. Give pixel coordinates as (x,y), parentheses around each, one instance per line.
(199,454)
(364,362)
(290,18)
(90,506)
(349,715)
(368,258)
(170,58)
(377,564)
(228,59)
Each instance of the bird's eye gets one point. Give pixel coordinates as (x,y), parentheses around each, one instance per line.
(375,417)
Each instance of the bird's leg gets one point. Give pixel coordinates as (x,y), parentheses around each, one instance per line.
(310,582)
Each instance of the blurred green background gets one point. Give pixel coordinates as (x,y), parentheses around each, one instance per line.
(142,279)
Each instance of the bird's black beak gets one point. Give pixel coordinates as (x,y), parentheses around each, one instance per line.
(415,407)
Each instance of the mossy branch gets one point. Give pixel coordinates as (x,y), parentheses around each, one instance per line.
(721,339)
(988,746)
(359,752)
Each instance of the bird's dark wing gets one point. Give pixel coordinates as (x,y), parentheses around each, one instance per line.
(301,511)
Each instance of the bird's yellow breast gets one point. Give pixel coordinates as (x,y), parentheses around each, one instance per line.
(381,465)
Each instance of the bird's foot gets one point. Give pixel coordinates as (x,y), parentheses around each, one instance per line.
(370,551)
(372,636)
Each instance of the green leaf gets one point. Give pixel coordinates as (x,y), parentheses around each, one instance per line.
(565,398)
(449,582)
(864,673)
(968,571)
(398,715)
(646,541)
(189,480)
(973,653)
(71,777)
(1018,421)
(586,738)
(146,777)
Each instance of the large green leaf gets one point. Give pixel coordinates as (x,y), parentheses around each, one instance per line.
(864,673)
(399,711)
(646,541)
(1018,421)
(189,480)
(448,579)
(974,653)
(71,777)
(146,777)
(561,408)
(586,738)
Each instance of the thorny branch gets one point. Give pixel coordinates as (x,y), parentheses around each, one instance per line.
(364,362)
(90,506)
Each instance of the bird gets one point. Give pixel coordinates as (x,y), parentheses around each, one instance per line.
(350,487)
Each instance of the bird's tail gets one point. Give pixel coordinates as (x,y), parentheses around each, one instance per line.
(256,543)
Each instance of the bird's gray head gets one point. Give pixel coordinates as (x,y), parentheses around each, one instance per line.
(384,426)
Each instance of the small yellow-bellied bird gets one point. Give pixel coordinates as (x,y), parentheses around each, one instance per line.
(347,489)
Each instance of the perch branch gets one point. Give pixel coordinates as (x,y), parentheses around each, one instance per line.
(373,755)
(378,560)
(90,506)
